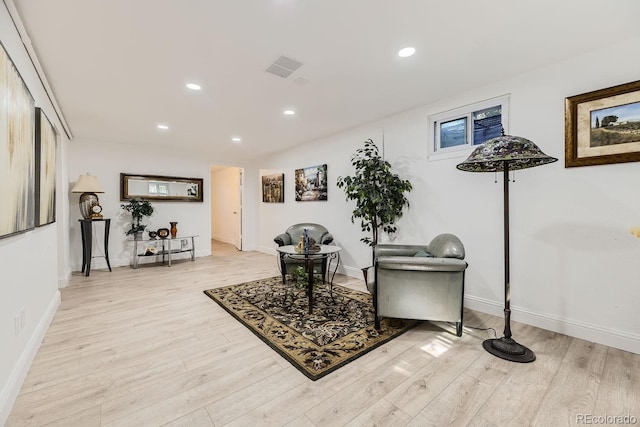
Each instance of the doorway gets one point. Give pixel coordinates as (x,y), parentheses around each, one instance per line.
(226,204)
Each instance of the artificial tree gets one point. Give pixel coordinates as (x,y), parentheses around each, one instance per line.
(139,209)
(378,193)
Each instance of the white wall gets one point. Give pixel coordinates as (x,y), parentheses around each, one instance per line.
(574,265)
(107,161)
(225,199)
(28,261)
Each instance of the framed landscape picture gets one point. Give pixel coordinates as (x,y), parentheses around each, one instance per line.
(17,151)
(273,188)
(603,127)
(311,183)
(45,170)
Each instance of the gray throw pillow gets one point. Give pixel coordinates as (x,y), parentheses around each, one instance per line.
(422,253)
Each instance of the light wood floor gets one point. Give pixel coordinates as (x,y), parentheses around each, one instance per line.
(146,347)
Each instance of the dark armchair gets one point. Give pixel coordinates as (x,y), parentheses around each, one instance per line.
(292,236)
(419,282)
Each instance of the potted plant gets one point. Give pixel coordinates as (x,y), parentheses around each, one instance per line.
(379,193)
(139,209)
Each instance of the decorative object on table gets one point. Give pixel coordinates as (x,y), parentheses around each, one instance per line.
(603,126)
(174,229)
(160,188)
(311,183)
(377,191)
(151,250)
(139,209)
(307,244)
(152,234)
(273,188)
(318,344)
(316,231)
(503,154)
(163,233)
(17,175)
(45,170)
(88,185)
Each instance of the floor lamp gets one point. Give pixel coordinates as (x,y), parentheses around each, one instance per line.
(503,154)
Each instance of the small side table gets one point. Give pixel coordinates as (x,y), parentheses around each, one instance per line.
(86,228)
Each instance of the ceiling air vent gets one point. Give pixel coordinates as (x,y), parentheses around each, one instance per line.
(283,66)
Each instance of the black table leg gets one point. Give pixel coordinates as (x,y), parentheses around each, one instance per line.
(107,225)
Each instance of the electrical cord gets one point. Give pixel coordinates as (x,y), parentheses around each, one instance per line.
(495,335)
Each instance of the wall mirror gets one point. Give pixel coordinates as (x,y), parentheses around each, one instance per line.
(157,187)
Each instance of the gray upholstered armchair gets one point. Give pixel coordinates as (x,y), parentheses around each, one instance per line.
(419,282)
(292,236)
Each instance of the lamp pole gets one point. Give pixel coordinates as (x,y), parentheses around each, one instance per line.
(507,277)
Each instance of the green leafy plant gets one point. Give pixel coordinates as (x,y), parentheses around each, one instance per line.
(378,193)
(300,277)
(139,209)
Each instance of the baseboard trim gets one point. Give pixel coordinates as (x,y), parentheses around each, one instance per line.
(12,387)
(610,337)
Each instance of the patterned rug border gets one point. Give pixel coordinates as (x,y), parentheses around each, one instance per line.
(396,332)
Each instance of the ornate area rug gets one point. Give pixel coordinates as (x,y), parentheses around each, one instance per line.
(339,330)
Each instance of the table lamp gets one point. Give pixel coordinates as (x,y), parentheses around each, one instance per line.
(88,185)
(502,154)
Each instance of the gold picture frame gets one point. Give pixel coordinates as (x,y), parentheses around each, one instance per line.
(603,127)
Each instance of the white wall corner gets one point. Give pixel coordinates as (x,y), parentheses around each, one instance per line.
(11,389)
(64,278)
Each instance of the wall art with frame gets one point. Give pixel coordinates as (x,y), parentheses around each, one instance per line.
(311,183)
(45,170)
(273,188)
(17,149)
(603,126)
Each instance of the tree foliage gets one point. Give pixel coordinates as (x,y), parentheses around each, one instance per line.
(608,120)
(378,193)
(139,209)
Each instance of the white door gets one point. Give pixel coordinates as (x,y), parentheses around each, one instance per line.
(237,212)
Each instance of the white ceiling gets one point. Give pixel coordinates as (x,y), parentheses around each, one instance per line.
(119,67)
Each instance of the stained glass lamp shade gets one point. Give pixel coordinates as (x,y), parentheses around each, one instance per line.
(503,154)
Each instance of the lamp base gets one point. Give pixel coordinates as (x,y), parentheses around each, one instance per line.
(508,349)
(87,200)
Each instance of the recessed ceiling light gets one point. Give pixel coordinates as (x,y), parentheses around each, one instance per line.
(236,139)
(289,112)
(407,51)
(194,86)
(163,127)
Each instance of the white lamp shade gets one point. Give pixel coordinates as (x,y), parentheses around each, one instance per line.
(87,184)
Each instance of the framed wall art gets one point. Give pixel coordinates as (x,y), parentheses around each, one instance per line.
(45,170)
(17,151)
(273,188)
(603,126)
(311,183)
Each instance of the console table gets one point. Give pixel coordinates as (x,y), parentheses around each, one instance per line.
(166,249)
(86,228)
(326,252)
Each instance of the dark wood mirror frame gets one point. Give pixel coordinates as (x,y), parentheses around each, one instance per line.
(160,188)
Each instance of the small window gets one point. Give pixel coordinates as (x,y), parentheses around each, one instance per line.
(456,132)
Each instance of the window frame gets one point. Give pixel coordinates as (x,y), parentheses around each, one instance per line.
(436,151)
